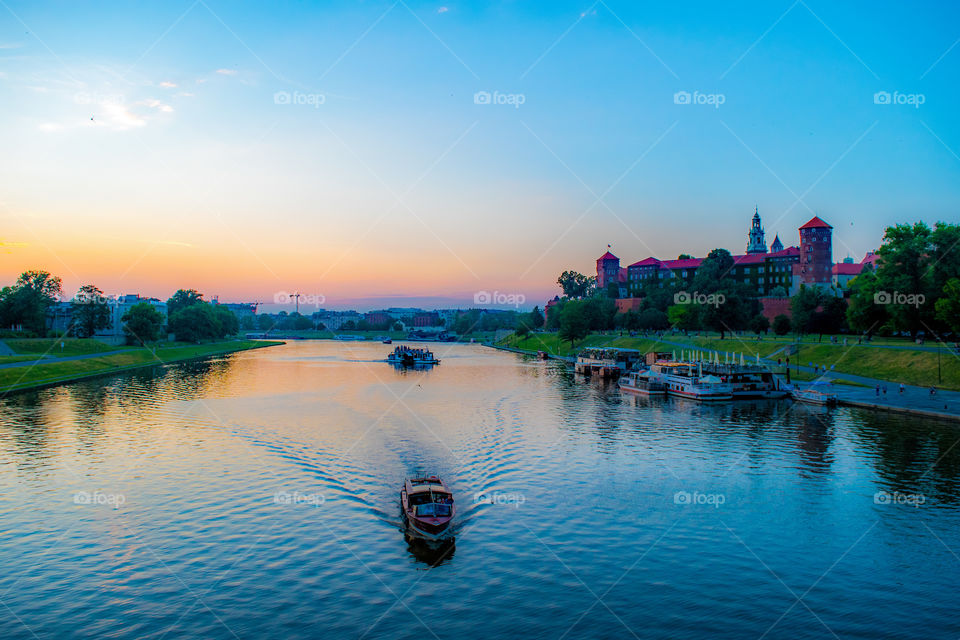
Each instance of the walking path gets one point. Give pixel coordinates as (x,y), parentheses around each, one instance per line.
(5,350)
(49,360)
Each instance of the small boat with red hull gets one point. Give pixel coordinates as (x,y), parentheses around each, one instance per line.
(427,506)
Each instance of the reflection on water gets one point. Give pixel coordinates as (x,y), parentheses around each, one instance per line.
(256,495)
(429,552)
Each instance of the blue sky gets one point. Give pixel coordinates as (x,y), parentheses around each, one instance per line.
(337,148)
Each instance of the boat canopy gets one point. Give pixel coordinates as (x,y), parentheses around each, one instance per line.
(424,488)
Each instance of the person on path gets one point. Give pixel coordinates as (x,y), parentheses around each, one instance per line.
(901,388)
(878,391)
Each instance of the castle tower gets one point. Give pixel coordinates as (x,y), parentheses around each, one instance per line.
(608,269)
(755,241)
(816,252)
(777,245)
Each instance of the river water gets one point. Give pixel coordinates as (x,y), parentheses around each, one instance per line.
(256,496)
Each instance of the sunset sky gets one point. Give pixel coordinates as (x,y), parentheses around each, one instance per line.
(339,149)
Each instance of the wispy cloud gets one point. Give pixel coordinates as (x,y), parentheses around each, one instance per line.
(168,85)
(227,72)
(10,45)
(443,9)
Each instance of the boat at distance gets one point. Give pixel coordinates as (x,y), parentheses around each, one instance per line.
(427,506)
(411,357)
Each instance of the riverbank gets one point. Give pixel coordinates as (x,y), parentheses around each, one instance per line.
(853,390)
(892,363)
(37,373)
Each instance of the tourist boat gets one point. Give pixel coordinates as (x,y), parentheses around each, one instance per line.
(427,506)
(386,340)
(543,355)
(409,357)
(816,393)
(609,362)
(749,380)
(644,383)
(687,380)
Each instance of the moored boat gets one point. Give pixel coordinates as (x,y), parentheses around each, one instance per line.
(644,383)
(427,506)
(687,380)
(817,393)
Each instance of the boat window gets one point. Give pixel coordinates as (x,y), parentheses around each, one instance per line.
(433,509)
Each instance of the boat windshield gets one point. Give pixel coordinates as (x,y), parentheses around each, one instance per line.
(432,509)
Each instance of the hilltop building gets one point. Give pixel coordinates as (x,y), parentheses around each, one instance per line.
(810,263)
(755,242)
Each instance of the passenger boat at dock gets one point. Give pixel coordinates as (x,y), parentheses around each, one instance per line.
(427,506)
(687,380)
(643,383)
(411,357)
(748,380)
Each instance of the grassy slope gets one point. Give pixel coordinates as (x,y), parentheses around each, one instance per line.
(894,365)
(51,346)
(28,375)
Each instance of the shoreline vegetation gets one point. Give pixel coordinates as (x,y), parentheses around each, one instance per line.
(34,373)
(895,361)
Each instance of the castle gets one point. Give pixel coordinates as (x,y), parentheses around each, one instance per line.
(810,263)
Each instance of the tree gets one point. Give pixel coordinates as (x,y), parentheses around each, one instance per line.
(536,320)
(759,324)
(864,315)
(781,325)
(684,256)
(227,324)
(905,270)
(90,311)
(948,307)
(398,326)
(181,299)
(574,323)
(265,322)
(654,319)
(802,308)
(684,316)
(142,323)
(203,321)
(727,304)
(575,285)
(778,291)
(30,299)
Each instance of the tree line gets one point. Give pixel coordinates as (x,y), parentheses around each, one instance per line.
(26,306)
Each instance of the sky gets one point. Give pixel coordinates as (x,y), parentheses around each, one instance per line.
(374,154)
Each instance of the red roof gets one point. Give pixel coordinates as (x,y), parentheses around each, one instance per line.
(816,223)
(646,262)
(607,256)
(870,258)
(750,258)
(789,251)
(686,263)
(847,269)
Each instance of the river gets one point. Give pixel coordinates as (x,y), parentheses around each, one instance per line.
(256,496)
